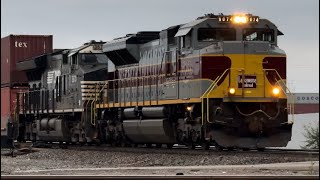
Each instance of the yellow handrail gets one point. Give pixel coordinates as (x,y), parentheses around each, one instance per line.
(205,95)
(91,109)
(286,87)
(94,107)
(87,103)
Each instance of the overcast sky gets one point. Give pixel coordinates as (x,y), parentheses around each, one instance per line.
(73,22)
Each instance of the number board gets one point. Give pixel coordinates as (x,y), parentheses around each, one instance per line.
(253,19)
(250,81)
(228,19)
(225,18)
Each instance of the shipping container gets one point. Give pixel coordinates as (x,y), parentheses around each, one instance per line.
(5,109)
(306,108)
(8,107)
(16,48)
(304,98)
(304,103)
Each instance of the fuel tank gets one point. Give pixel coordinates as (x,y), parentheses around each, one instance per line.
(149,131)
(146,112)
(154,112)
(52,130)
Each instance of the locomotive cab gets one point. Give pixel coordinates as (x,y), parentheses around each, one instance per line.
(212,29)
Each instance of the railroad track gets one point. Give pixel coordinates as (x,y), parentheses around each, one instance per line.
(29,147)
(196,151)
(177,177)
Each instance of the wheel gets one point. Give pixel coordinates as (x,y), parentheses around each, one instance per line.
(123,144)
(158,145)
(96,142)
(245,149)
(205,146)
(169,146)
(113,144)
(149,145)
(191,146)
(230,148)
(219,148)
(134,145)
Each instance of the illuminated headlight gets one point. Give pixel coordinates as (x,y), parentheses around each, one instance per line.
(232,90)
(275,91)
(240,19)
(189,108)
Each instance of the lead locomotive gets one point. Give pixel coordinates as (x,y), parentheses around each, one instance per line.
(218,80)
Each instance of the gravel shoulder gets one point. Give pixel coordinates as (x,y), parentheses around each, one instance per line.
(75,162)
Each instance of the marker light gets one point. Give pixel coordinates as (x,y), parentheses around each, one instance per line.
(232,90)
(275,91)
(240,19)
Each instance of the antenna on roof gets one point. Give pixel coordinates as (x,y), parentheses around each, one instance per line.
(209,15)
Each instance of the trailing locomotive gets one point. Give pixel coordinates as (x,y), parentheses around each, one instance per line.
(218,80)
(53,108)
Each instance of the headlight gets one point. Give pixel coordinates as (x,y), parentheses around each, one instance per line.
(232,90)
(240,19)
(275,91)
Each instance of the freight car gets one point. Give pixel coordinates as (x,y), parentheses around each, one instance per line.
(16,48)
(218,80)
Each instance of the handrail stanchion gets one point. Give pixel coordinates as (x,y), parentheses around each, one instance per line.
(291,106)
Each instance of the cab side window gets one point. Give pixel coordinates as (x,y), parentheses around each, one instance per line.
(185,41)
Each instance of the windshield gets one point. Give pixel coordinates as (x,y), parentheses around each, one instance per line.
(216,34)
(258,35)
(94,58)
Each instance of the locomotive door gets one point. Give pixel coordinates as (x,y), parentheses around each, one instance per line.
(243,74)
(171,84)
(251,75)
(236,52)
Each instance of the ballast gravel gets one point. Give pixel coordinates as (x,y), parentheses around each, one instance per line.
(46,159)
